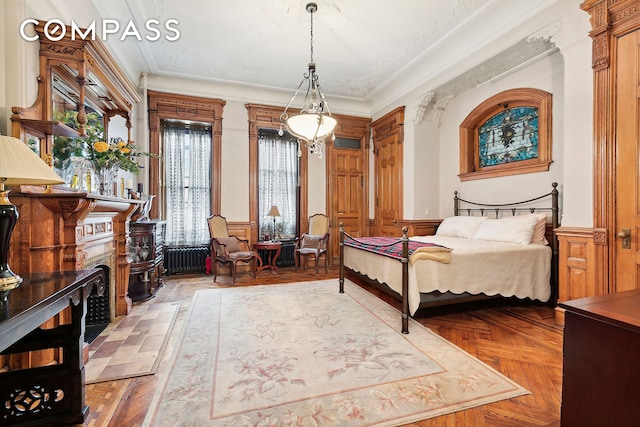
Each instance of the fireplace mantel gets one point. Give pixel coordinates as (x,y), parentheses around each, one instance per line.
(60,229)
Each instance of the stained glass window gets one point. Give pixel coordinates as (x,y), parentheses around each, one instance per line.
(509,136)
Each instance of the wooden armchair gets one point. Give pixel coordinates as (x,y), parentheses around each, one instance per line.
(314,243)
(226,249)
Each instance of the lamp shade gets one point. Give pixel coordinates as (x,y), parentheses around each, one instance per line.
(310,126)
(19,165)
(274,211)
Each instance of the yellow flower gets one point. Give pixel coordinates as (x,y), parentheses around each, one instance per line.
(121,145)
(101,146)
(124,150)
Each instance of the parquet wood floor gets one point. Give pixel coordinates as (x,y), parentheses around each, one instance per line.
(521,340)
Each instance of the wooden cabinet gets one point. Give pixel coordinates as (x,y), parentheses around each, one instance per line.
(600,383)
(147,262)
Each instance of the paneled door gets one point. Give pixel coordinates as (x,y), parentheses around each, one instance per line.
(387,141)
(347,184)
(627,128)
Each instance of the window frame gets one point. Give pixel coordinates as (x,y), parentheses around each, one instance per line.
(470,167)
(268,117)
(167,106)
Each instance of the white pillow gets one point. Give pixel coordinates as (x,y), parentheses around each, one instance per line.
(460,226)
(517,229)
(540,229)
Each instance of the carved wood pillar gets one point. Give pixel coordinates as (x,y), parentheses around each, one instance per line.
(609,20)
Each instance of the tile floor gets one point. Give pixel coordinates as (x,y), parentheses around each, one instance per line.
(133,344)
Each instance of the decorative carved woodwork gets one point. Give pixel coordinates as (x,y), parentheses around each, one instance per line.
(71,231)
(54,394)
(166,106)
(87,69)
(610,20)
(470,167)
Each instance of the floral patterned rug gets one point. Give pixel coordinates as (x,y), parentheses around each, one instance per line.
(303,354)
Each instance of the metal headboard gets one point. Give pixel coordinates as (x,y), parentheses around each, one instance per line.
(514,208)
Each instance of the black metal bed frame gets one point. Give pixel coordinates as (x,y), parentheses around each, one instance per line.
(480,208)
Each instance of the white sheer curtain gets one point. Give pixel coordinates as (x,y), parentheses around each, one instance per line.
(277,182)
(187,165)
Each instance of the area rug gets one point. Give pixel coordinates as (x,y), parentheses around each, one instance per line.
(304,354)
(132,345)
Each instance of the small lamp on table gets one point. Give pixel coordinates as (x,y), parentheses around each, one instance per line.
(18,166)
(274,212)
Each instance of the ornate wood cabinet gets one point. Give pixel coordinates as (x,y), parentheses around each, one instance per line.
(147,262)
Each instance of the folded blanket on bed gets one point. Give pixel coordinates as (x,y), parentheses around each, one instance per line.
(392,247)
(433,253)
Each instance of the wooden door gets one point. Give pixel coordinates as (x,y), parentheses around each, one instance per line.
(627,217)
(347,183)
(387,141)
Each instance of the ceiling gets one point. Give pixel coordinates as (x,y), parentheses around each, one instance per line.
(362,48)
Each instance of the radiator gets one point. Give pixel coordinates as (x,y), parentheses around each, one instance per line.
(185,259)
(286,257)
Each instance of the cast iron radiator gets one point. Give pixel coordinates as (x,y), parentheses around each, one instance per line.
(286,254)
(185,259)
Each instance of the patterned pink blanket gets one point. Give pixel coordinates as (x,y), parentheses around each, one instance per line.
(387,246)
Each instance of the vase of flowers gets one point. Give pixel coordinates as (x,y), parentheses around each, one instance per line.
(93,155)
(107,158)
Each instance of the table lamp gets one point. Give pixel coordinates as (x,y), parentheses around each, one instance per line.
(274,212)
(18,166)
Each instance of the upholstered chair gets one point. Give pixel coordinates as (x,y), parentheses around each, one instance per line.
(314,243)
(228,250)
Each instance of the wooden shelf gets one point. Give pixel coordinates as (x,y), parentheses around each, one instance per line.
(49,127)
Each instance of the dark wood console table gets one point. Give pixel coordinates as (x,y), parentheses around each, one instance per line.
(600,379)
(52,394)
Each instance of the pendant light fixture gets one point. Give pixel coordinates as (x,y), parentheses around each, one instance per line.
(314,123)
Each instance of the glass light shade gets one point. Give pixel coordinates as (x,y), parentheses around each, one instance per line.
(310,126)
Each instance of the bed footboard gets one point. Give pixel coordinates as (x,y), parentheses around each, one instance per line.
(404,259)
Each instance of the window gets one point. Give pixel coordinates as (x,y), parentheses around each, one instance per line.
(187,177)
(278,183)
(507,134)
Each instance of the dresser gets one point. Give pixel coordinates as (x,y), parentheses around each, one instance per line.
(147,262)
(601,378)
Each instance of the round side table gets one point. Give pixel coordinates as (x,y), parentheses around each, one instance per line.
(273,252)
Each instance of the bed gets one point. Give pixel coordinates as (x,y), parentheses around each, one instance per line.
(483,251)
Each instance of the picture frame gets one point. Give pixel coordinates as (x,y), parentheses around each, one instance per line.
(507,134)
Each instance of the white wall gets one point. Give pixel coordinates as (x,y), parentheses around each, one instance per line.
(432,151)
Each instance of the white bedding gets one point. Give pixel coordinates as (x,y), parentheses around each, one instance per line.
(477,266)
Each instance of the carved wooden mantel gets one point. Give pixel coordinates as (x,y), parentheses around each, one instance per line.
(65,230)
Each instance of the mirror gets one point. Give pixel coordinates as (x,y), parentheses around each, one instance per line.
(81,90)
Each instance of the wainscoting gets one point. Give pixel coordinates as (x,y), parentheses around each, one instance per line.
(576,264)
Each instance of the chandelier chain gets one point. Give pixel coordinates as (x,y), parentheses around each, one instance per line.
(311,33)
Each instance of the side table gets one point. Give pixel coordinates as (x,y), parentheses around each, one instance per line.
(273,252)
